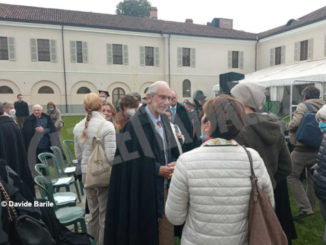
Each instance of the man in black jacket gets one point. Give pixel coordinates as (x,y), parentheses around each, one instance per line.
(143,164)
(12,149)
(22,110)
(181,118)
(37,130)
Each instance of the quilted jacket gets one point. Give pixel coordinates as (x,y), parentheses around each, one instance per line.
(210,191)
(84,149)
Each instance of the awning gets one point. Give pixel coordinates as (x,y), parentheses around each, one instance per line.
(282,75)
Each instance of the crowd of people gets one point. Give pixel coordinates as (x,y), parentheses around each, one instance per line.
(178,169)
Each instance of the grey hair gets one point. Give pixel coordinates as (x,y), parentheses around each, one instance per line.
(6,105)
(153,88)
(37,106)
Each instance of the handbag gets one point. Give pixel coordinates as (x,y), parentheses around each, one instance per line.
(98,170)
(28,230)
(263,224)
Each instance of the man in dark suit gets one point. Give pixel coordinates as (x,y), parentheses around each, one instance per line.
(22,110)
(39,134)
(180,117)
(143,165)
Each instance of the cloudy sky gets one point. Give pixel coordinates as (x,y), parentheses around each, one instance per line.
(248,15)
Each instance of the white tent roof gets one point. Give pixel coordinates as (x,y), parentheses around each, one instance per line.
(282,75)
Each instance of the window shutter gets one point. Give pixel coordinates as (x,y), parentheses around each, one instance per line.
(272,57)
(229,59)
(325,46)
(53,51)
(33,50)
(85,52)
(179,57)
(241,59)
(157,56)
(283,54)
(297,51)
(125,54)
(73,52)
(193,57)
(142,55)
(11,48)
(109,57)
(310,48)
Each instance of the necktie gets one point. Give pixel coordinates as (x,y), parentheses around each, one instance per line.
(173,114)
(158,123)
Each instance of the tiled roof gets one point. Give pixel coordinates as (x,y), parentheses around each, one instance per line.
(106,21)
(310,18)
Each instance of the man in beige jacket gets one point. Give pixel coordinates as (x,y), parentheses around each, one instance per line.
(303,156)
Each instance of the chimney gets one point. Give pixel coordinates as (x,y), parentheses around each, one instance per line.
(190,21)
(222,23)
(153,13)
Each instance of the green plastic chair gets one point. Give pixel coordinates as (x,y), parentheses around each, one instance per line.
(59,181)
(69,146)
(66,215)
(63,167)
(61,199)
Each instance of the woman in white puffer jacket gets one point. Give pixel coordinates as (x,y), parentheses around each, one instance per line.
(84,133)
(210,187)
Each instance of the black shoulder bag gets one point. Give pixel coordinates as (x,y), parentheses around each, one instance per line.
(30,231)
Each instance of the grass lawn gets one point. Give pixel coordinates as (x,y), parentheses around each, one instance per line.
(70,122)
(309,230)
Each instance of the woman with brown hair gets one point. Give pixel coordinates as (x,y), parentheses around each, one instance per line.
(128,106)
(210,187)
(55,116)
(109,112)
(84,133)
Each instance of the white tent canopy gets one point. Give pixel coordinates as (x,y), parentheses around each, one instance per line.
(281,75)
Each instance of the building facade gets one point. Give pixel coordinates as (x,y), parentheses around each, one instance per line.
(58,55)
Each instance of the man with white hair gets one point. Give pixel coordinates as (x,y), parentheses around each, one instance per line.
(143,166)
(36,132)
(8,109)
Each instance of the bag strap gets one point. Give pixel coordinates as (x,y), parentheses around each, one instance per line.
(253,177)
(97,138)
(7,200)
(251,163)
(309,107)
(98,135)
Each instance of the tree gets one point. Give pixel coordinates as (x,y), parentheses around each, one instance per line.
(139,8)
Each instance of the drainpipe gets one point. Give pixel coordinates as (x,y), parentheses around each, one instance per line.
(169,59)
(256,52)
(64,68)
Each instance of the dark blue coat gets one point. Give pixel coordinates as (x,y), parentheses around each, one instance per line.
(29,126)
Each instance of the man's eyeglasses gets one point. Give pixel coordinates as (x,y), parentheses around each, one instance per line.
(164,97)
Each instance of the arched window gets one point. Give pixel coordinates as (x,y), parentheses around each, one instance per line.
(186,88)
(5,90)
(83,90)
(117,94)
(45,90)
